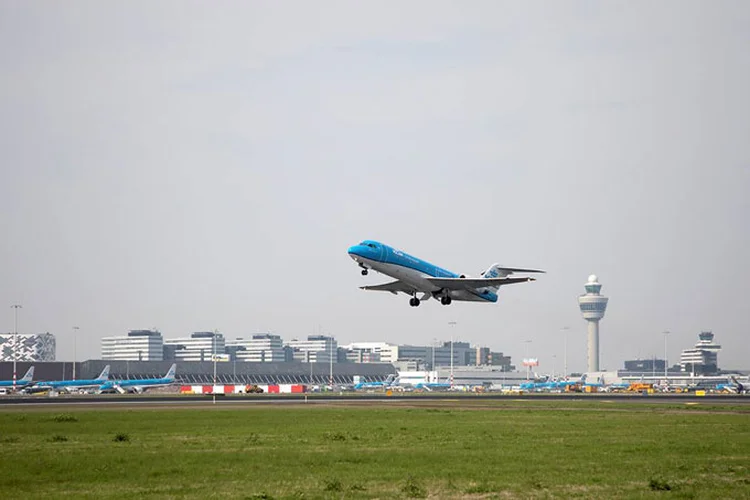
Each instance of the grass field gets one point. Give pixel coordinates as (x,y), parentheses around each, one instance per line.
(489,450)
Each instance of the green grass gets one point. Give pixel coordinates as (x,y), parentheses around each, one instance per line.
(487,450)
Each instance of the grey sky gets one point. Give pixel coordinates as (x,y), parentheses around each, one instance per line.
(190,167)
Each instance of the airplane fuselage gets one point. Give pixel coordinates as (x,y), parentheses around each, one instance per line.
(69,384)
(135,385)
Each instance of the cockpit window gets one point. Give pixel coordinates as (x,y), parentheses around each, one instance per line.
(371,245)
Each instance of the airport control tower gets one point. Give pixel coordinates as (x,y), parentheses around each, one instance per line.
(593,305)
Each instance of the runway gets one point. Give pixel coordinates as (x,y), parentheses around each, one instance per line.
(454,399)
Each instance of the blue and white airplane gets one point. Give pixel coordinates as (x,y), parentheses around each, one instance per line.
(22,382)
(139,386)
(432,385)
(391,380)
(415,276)
(73,385)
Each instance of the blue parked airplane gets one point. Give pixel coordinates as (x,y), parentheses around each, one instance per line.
(22,382)
(72,385)
(138,386)
(432,385)
(415,276)
(391,380)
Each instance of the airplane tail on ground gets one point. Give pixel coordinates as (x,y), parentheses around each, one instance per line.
(740,387)
(170,374)
(104,375)
(29,375)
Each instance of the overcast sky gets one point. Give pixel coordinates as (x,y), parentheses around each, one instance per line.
(190,167)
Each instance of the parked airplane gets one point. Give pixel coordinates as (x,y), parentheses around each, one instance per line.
(388,382)
(414,276)
(139,386)
(22,382)
(430,386)
(72,385)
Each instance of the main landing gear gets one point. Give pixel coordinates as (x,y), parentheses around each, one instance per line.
(446,300)
(414,302)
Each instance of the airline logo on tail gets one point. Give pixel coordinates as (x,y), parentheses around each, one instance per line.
(171,372)
(104,375)
(29,375)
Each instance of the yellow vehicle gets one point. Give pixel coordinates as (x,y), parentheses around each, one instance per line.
(640,387)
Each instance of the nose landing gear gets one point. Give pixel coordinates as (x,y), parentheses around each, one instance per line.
(414,302)
(446,300)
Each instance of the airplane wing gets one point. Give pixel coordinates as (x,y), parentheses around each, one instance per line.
(394,287)
(474,283)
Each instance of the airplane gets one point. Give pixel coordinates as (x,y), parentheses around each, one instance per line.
(22,382)
(139,386)
(388,382)
(72,385)
(432,385)
(414,276)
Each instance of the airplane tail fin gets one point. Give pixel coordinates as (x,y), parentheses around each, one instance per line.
(498,271)
(104,375)
(171,372)
(29,375)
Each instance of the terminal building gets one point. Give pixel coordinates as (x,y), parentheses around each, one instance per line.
(137,345)
(25,347)
(200,346)
(260,348)
(358,355)
(383,351)
(463,354)
(197,372)
(316,349)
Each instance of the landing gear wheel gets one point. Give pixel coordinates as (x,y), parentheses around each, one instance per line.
(446,300)
(364,272)
(414,302)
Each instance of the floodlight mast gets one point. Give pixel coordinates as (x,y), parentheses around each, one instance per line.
(15,307)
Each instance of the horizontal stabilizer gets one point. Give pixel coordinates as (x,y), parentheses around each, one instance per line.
(518,270)
(474,283)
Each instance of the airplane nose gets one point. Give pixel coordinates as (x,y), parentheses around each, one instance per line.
(356,250)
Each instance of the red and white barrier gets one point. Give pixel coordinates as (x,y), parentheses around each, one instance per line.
(242,389)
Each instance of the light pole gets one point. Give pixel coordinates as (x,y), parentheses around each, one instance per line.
(213,389)
(330,363)
(565,352)
(435,374)
(666,379)
(554,362)
(434,343)
(75,330)
(213,354)
(453,324)
(15,307)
